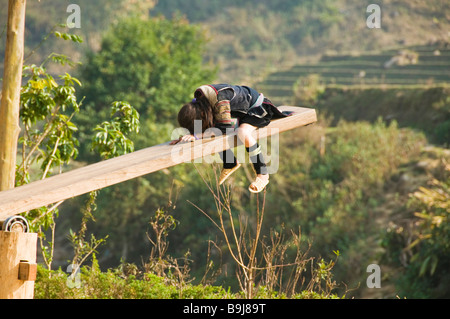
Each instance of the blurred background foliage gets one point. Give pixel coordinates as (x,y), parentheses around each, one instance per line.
(363,181)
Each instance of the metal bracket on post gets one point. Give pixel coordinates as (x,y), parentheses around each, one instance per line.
(27,270)
(15,223)
(18,267)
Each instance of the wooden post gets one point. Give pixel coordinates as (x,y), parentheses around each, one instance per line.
(10,101)
(17,265)
(17,249)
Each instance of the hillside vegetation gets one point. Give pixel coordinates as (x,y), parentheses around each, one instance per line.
(409,66)
(368,183)
(253,38)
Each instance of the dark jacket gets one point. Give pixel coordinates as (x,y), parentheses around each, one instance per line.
(229,101)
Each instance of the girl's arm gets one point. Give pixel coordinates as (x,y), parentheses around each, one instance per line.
(183,139)
(192,137)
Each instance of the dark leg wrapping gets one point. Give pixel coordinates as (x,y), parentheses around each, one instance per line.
(257,159)
(228,159)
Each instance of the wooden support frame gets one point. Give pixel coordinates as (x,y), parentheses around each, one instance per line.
(18,264)
(142,162)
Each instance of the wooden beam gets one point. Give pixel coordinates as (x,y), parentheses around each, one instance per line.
(109,172)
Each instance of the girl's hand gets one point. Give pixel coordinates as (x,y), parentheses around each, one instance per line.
(183,139)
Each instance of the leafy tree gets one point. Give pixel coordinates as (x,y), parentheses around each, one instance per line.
(154,64)
(111,139)
(48,140)
(45,102)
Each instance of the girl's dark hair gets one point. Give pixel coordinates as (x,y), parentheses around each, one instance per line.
(196,110)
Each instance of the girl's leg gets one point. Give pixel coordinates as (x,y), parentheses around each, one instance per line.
(256,157)
(245,134)
(228,159)
(230,165)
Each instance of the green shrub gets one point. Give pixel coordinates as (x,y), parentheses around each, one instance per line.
(423,242)
(114,284)
(331,193)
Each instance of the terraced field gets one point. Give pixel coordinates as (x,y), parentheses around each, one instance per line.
(408,66)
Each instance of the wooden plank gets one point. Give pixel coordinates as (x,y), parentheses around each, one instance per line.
(109,172)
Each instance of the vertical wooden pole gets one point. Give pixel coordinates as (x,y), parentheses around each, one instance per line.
(17,249)
(17,265)
(10,101)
